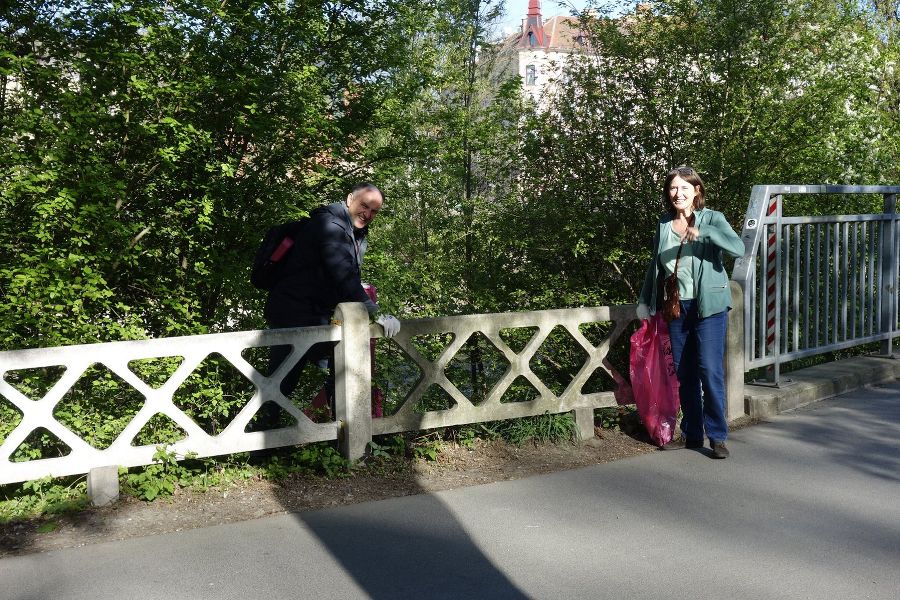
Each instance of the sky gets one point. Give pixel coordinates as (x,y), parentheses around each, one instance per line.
(517,9)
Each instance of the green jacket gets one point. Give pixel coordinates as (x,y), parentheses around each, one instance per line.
(716,235)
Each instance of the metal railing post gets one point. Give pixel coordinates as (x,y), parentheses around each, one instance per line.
(353,380)
(888,275)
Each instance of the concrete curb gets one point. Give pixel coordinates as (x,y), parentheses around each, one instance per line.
(805,386)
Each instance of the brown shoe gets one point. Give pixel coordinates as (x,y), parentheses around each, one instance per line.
(719,450)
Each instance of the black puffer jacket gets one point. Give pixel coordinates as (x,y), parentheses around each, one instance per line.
(321,271)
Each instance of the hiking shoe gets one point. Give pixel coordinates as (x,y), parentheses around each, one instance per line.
(719,450)
(681,443)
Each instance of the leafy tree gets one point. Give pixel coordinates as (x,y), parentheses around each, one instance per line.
(747,92)
(454,153)
(146,146)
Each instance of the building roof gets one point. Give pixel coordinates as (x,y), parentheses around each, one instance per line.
(559,33)
(563,33)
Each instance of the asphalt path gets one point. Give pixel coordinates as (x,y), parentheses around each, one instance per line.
(807,507)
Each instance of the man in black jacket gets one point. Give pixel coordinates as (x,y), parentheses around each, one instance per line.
(323,270)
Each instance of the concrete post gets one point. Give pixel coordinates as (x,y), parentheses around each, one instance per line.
(584,424)
(103,485)
(353,380)
(734,356)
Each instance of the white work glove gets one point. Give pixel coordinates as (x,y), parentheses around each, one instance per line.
(643,311)
(390,324)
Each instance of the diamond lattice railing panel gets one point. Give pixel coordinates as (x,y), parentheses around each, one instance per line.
(66,410)
(201,394)
(558,360)
(535,363)
(477,368)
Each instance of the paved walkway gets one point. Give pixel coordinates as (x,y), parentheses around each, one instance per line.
(807,507)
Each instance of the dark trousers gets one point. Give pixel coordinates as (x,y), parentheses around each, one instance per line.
(698,350)
(321,355)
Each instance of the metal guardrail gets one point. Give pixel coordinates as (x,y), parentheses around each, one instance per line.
(813,285)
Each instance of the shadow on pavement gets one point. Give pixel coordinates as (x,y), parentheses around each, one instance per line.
(419,551)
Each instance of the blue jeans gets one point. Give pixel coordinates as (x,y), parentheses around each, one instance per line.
(698,350)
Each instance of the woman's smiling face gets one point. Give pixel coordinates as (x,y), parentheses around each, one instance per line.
(682,194)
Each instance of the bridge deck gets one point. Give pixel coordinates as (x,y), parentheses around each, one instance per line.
(807,507)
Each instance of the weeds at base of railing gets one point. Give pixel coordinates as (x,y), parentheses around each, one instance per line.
(168,474)
(45,496)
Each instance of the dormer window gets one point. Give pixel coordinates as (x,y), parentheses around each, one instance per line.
(532,40)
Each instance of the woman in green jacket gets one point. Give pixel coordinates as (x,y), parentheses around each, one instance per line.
(698,335)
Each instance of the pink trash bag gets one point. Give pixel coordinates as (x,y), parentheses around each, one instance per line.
(653,378)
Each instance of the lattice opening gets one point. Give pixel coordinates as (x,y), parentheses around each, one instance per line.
(34,383)
(98,406)
(436,398)
(271,416)
(160,429)
(213,394)
(517,337)
(432,345)
(476,368)
(40,443)
(558,360)
(258,356)
(520,390)
(155,372)
(599,381)
(597,332)
(395,375)
(10,417)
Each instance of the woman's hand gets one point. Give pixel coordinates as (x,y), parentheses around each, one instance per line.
(691,234)
(643,311)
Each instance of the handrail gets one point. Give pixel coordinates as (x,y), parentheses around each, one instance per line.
(353,426)
(816,284)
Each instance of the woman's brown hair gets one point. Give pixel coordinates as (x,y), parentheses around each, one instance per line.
(689,175)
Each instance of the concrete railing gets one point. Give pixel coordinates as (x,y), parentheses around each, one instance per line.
(354,425)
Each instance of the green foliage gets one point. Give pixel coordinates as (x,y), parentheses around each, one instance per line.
(41,497)
(145,148)
(539,429)
(388,446)
(323,459)
(623,418)
(546,428)
(427,447)
(159,478)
